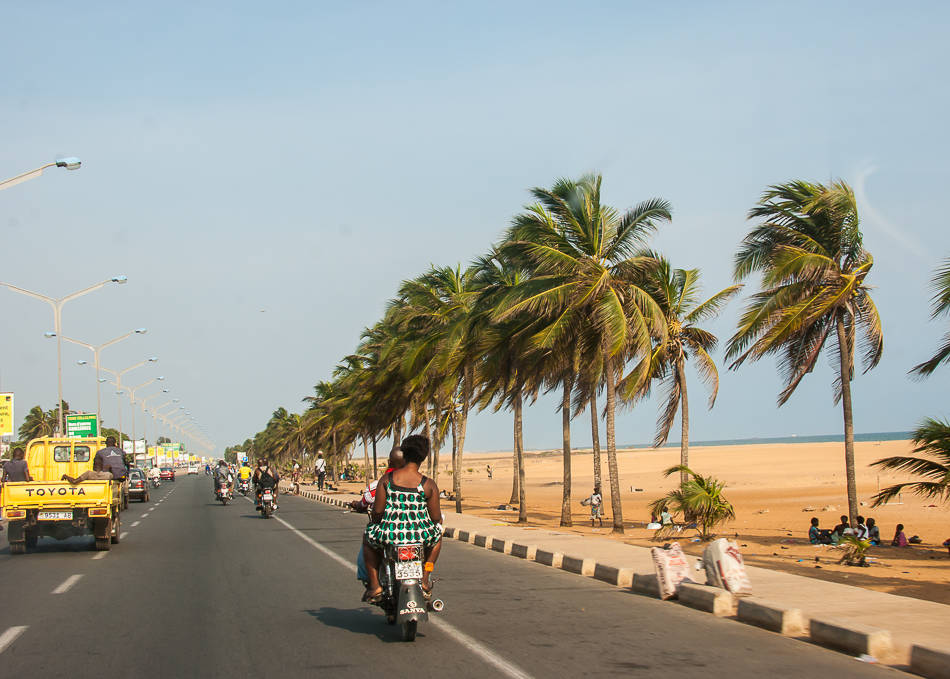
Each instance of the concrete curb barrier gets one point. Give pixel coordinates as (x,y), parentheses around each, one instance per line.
(774,617)
(850,637)
(713,600)
(552,559)
(645,583)
(527,552)
(930,662)
(573,564)
(621,577)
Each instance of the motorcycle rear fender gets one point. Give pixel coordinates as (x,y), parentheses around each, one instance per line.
(412,604)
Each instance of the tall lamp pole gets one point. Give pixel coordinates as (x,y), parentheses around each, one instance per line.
(96,351)
(57,304)
(68,163)
(132,391)
(117,376)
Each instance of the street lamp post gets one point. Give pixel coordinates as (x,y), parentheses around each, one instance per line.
(96,350)
(117,375)
(68,163)
(132,391)
(145,418)
(57,304)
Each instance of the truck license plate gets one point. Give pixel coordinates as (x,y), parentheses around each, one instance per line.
(408,570)
(55,516)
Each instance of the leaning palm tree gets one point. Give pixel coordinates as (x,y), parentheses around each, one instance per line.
(676,291)
(931,438)
(587,259)
(941,306)
(698,497)
(809,251)
(35,424)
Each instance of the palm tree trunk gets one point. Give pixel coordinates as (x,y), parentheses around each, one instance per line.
(519,453)
(468,377)
(435,451)
(515,468)
(456,464)
(566,441)
(595,436)
(684,419)
(366,461)
(844,355)
(612,469)
(432,452)
(375,463)
(397,431)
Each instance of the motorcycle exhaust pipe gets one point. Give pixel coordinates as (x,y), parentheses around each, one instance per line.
(437,605)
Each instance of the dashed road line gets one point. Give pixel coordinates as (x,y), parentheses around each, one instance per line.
(136,523)
(68,584)
(99,555)
(10,636)
(123,535)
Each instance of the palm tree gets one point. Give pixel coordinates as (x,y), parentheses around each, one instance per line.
(931,438)
(698,497)
(35,425)
(676,291)
(941,305)
(588,259)
(808,248)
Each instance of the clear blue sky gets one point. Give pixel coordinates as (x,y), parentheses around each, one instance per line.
(303,158)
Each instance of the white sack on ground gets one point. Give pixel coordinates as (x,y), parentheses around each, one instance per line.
(671,569)
(725,568)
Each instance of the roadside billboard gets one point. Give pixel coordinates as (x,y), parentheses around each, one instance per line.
(6,414)
(82,424)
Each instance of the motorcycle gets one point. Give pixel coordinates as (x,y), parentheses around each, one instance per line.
(223,493)
(404,602)
(267,503)
(244,486)
(156,482)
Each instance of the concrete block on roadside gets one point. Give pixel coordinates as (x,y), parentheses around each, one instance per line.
(930,662)
(552,559)
(449,532)
(850,637)
(788,621)
(645,583)
(463,536)
(497,545)
(528,552)
(574,564)
(713,600)
(483,540)
(622,577)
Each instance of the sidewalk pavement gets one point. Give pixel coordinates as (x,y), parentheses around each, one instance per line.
(911,622)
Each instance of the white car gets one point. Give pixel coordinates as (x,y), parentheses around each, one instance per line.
(193,469)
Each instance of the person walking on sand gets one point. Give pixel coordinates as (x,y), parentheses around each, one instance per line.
(488,469)
(596,507)
(320,471)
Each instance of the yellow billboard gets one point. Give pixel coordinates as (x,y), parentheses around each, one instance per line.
(6,414)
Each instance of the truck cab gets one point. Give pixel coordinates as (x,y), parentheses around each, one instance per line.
(51,507)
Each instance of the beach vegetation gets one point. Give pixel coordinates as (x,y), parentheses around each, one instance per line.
(807,248)
(855,550)
(700,498)
(940,284)
(931,463)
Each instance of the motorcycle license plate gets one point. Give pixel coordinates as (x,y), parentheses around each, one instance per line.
(268,497)
(55,516)
(408,570)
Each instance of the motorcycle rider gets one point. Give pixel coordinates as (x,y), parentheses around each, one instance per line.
(245,472)
(396,461)
(406,503)
(155,476)
(222,474)
(265,476)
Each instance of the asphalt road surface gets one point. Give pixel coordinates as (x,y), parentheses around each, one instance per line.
(197,589)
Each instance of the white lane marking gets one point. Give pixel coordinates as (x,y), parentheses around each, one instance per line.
(124,533)
(10,636)
(136,523)
(68,584)
(476,647)
(100,555)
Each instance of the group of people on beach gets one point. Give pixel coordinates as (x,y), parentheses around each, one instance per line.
(864,530)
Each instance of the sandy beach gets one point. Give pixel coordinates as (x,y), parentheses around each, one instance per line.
(775,488)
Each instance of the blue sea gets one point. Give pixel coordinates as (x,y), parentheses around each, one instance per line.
(823,438)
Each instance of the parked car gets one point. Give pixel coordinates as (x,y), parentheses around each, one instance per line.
(167,473)
(138,485)
(193,469)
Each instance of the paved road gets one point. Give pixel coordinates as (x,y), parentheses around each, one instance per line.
(196,589)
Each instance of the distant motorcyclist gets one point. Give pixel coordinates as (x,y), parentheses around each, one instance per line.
(265,476)
(155,476)
(222,475)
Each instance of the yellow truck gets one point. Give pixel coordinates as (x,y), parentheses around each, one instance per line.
(51,507)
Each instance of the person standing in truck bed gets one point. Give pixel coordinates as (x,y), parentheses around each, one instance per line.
(17,468)
(110,459)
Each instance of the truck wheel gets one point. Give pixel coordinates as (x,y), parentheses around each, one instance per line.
(103,545)
(116,527)
(18,547)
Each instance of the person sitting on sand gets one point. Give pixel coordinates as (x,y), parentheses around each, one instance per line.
(666,519)
(814,535)
(874,533)
(841,529)
(862,530)
(946,543)
(900,540)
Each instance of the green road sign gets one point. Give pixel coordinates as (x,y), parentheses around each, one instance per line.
(82,425)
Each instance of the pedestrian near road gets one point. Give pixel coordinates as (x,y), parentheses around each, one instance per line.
(596,507)
(488,468)
(320,471)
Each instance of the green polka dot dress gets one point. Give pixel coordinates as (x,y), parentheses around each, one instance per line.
(405,520)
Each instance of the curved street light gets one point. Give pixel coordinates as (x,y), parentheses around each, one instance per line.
(68,163)
(57,304)
(96,350)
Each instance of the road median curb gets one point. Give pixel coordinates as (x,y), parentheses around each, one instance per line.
(930,662)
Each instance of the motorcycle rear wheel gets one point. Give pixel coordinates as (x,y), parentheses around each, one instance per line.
(409,630)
